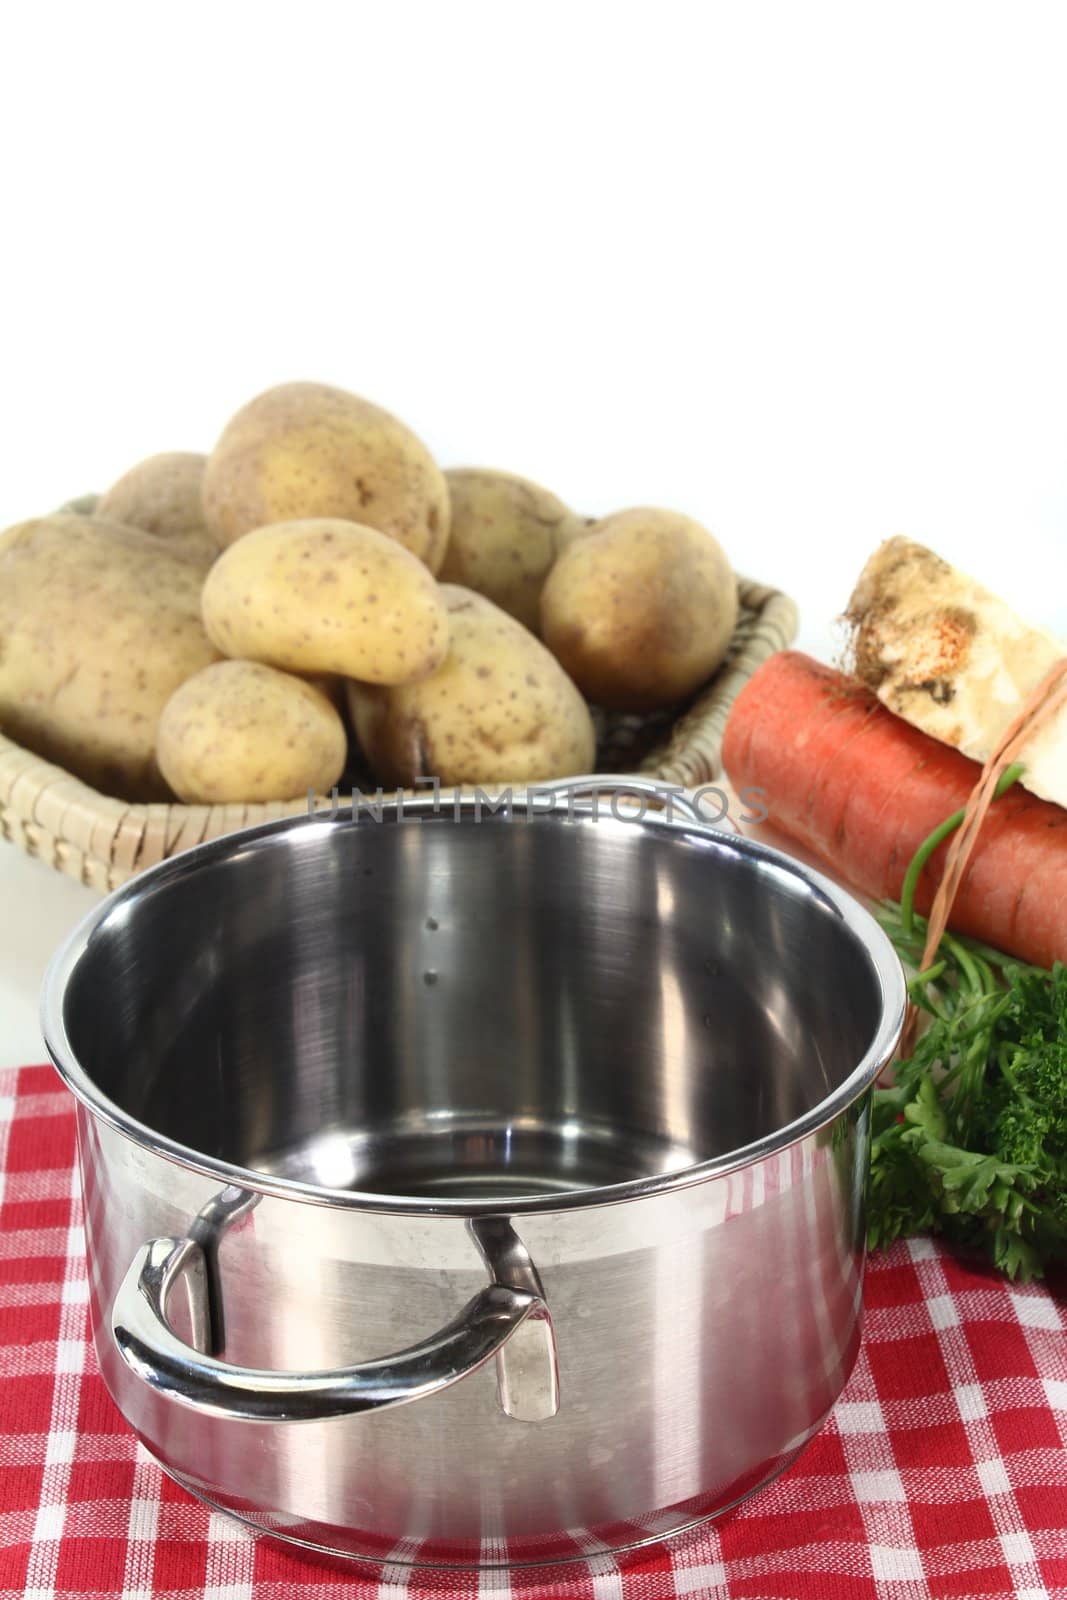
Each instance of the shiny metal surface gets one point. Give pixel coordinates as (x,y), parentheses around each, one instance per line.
(187,1375)
(618,1068)
(508,1320)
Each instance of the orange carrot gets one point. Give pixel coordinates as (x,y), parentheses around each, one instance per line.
(862,789)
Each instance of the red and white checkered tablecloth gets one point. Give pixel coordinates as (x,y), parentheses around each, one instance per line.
(943,1470)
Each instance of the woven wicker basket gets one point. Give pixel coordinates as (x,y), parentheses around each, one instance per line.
(103,841)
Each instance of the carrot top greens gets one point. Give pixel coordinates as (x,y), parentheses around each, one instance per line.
(971,1140)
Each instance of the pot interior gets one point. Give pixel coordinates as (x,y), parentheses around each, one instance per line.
(467,1009)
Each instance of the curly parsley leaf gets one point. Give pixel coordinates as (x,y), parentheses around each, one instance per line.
(971,1139)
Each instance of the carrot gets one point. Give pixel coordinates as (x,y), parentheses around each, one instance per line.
(862,789)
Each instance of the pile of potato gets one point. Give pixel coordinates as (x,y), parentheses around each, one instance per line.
(216,625)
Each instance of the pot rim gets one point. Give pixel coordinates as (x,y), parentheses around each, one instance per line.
(884,961)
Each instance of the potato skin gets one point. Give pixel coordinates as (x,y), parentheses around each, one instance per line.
(640,610)
(238,731)
(329,684)
(506,534)
(499,710)
(307,450)
(99,624)
(162,495)
(326,596)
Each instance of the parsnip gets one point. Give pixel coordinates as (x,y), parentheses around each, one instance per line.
(944,653)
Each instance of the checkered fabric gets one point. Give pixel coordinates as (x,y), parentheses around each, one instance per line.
(942,1472)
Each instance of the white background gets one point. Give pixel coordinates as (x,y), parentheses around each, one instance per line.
(798,270)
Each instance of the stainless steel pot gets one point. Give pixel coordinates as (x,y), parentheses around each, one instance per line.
(471,1190)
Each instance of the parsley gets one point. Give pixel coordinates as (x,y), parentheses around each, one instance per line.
(971,1139)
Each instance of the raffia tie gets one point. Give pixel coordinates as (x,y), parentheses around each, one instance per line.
(1048,698)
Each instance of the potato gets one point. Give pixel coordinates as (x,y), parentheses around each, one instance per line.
(329,684)
(327,596)
(83,505)
(99,624)
(640,610)
(160,494)
(306,450)
(240,731)
(506,534)
(500,709)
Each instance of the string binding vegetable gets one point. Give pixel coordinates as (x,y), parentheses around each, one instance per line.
(971,1138)
(1046,699)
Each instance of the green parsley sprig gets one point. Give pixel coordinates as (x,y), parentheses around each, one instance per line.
(971,1139)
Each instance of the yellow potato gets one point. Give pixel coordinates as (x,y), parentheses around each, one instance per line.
(506,534)
(99,624)
(327,596)
(162,495)
(306,450)
(500,709)
(329,684)
(239,731)
(641,609)
(83,505)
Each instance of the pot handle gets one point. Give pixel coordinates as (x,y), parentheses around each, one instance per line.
(528,1383)
(671,796)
